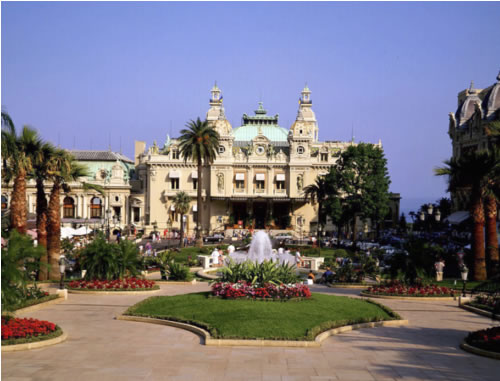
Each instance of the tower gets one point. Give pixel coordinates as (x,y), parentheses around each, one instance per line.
(216,118)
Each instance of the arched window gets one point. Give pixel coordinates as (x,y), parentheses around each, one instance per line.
(4,202)
(68,207)
(95,207)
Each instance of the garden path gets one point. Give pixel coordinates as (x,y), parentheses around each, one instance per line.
(101,348)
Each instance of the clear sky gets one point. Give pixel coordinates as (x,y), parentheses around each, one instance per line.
(87,75)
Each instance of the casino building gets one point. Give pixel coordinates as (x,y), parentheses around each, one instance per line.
(257,179)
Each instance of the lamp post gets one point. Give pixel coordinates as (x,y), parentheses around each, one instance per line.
(300,221)
(108,217)
(423,216)
(464,272)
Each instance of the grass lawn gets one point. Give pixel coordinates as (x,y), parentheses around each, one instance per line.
(249,319)
(32,302)
(450,284)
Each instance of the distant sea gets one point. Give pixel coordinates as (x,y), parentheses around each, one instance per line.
(413,204)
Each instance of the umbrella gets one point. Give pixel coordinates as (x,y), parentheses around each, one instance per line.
(83,230)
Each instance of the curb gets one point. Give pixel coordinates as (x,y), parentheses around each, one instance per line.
(420,298)
(479,311)
(35,345)
(113,292)
(203,274)
(263,343)
(39,306)
(174,282)
(477,351)
(361,287)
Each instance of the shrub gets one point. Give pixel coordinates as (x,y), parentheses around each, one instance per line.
(19,261)
(19,328)
(179,272)
(259,273)
(487,339)
(129,284)
(104,260)
(396,288)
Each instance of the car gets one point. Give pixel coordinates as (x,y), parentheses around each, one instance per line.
(283,237)
(217,237)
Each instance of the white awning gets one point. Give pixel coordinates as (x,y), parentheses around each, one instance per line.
(172,208)
(457,217)
(260,176)
(174,174)
(240,176)
(195,208)
(194,174)
(280,177)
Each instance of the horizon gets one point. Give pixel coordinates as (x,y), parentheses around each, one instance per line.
(90,76)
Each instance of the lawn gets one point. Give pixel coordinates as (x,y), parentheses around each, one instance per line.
(459,286)
(248,319)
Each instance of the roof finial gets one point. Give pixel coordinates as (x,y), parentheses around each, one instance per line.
(472,90)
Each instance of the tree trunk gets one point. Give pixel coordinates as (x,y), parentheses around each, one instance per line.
(478,238)
(199,239)
(18,215)
(54,231)
(319,224)
(491,235)
(181,244)
(41,227)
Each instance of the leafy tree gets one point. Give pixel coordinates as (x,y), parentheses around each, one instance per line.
(19,261)
(182,202)
(199,143)
(402,223)
(318,192)
(475,176)
(364,182)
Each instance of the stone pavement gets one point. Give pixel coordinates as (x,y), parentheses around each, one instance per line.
(101,348)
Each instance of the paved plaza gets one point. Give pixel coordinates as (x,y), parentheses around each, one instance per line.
(102,348)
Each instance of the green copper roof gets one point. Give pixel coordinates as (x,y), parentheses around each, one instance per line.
(274,133)
(267,124)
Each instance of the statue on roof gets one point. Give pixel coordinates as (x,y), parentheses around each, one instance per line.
(270,150)
(166,146)
(154,150)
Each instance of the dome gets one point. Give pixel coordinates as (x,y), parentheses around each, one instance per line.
(274,133)
(467,108)
(493,98)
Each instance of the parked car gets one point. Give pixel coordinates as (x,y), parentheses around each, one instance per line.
(217,237)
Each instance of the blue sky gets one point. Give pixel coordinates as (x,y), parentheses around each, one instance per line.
(84,72)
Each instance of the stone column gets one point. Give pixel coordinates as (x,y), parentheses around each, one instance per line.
(84,207)
(30,206)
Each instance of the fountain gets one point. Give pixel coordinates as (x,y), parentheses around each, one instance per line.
(261,250)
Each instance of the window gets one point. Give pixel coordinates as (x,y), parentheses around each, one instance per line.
(95,207)
(260,181)
(300,132)
(240,184)
(222,149)
(4,202)
(300,150)
(68,207)
(175,154)
(260,184)
(324,156)
(174,183)
(195,184)
(280,185)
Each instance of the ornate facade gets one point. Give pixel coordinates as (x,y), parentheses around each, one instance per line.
(257,179)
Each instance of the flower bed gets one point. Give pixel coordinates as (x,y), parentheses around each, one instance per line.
(268,291)
(400,289)
(126,284)
(487,339)
(485,302)
(22,330)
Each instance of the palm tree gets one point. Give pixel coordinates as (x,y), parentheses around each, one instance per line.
(199,143)
(318,192)
(17,160)
(42,156)
(181,203)
(62,169)
(472,175)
